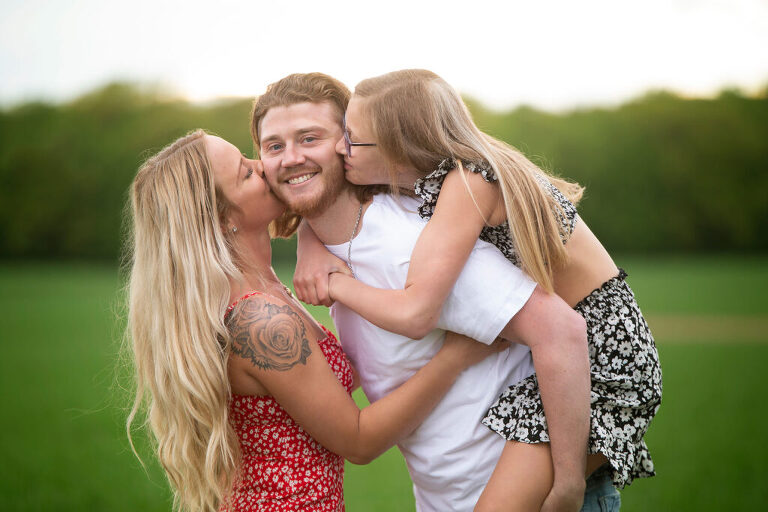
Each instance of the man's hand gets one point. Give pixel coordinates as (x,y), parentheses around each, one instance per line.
(314,264)
(565,496)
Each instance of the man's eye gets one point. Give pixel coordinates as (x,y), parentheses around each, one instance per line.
(310,139)
(274,147)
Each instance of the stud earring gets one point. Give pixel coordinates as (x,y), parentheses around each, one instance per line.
(234,229)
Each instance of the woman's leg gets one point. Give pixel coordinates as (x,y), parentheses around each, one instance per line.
(594,461)
(601,495)
(523,477)
(521,480)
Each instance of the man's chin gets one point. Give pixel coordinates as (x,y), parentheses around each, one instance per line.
(306,208)
(311,206)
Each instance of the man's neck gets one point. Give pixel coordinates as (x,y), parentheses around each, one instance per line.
(335,224)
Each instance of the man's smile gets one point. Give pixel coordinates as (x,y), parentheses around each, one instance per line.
(299,175)
(300,178)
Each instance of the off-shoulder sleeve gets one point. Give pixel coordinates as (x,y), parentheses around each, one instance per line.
(566,214)
(428,188)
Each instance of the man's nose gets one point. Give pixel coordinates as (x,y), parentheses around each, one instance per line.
(292,156)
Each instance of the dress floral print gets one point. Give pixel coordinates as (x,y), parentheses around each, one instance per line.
(282,467)
(428,188)
(624,362)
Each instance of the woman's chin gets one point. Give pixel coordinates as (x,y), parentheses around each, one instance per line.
(352,180)
(355,179)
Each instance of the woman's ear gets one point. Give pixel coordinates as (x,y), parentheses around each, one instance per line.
(231,225)
(228,225)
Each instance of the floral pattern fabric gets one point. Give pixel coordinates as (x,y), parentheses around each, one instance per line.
(624,363)
(626,386)
(282,467)
(428,189)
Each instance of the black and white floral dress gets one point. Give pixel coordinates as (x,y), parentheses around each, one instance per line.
(625,369)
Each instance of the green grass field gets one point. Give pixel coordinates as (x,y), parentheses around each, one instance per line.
(63,444)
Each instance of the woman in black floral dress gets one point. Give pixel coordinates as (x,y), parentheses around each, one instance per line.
(418,129)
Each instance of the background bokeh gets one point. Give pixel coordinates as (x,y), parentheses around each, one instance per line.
(664,173)
(660,110)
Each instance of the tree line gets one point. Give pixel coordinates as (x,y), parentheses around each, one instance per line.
(663,173)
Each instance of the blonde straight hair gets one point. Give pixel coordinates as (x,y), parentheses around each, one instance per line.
(178,290)
(419,120)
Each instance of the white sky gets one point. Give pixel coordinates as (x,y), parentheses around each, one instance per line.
(547,53)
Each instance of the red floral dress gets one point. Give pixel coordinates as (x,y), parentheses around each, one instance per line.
(282,467)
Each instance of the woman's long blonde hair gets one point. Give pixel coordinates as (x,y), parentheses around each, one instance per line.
(419,120)
(178,290)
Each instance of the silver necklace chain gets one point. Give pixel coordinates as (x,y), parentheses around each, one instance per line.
(352,236)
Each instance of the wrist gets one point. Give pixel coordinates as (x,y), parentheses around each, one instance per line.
(334,280)
(452,360)
(330,284)
(570,482)
(567,466)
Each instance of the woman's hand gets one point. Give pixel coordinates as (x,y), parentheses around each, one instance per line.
(314,263)
(466,352)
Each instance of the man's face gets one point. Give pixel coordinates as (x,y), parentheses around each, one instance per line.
(300,161)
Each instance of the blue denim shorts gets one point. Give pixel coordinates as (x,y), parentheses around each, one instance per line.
(601,495)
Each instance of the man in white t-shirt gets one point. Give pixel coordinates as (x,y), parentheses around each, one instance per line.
(451,456)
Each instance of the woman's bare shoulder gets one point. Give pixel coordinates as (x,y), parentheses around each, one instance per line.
(463,186)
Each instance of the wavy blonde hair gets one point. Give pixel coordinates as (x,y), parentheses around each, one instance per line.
(419,120)
(181,262)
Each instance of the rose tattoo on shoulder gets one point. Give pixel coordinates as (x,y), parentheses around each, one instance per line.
(272,337)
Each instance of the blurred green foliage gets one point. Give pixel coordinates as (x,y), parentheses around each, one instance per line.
(663,173)
(65,170)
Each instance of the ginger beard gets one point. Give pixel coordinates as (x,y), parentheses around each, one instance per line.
(312,197)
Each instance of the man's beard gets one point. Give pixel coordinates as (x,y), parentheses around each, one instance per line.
(314,206)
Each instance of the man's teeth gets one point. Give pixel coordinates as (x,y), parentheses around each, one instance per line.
(300,179)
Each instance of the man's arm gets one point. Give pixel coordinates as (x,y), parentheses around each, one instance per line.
(557,337)
(490,286)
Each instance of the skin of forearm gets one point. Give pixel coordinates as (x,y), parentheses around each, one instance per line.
(396,311)
(562,369)
(395,416)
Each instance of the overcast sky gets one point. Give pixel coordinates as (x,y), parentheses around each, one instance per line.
(550,54)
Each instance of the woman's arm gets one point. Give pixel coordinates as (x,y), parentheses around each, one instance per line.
(273,339)
(436,262)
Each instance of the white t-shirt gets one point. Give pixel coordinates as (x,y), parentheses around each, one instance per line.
(451,456)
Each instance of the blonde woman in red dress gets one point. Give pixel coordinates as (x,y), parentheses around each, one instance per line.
(247,397)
